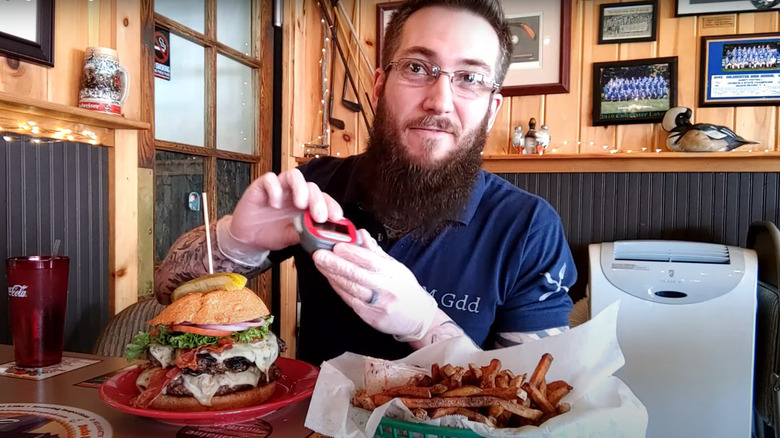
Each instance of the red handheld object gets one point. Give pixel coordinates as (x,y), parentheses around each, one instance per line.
(315,235)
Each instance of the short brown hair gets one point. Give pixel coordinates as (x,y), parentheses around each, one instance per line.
(490,10)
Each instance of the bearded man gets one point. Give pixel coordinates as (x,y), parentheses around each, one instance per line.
(446,249)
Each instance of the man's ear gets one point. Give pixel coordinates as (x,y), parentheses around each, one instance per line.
(495,105)
(379,83)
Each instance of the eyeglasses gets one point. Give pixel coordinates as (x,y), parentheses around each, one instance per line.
(467,84)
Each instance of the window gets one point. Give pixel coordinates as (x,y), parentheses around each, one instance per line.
(210,134)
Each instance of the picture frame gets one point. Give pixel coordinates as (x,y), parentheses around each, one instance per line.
(628,22)
(635,91)
(27,31)
(740,70)
(542,34)
(707,7)
(383,13)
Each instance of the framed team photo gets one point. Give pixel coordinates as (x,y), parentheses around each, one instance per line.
(635,91)
(740,70)
(707,7)
(628,22)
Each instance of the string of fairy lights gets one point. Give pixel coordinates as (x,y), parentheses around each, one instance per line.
(40,134)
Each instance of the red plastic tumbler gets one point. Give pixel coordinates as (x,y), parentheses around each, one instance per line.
(37,298)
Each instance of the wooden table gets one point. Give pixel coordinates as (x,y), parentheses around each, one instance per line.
(61,390)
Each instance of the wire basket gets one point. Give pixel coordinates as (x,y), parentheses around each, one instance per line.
(392,428)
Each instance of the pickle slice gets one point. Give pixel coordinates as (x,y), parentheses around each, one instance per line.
(208,283)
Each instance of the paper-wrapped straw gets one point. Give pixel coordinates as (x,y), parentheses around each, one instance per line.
(208,232)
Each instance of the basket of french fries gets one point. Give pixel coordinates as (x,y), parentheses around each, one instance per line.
(558,386)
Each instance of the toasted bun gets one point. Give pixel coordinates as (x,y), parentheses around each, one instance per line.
(215,307)
(240,399)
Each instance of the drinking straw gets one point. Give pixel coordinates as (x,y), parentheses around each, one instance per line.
(56,247)
(208,232)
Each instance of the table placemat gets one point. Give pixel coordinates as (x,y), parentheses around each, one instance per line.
(19,420)
(68,364)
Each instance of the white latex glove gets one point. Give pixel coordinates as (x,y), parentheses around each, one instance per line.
(263,218)
(358,274)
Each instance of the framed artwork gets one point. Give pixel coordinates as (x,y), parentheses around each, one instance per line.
(383,13)
(628,22)
(635,91)
(740,70)
(705,7)
(541,33)
(27,30)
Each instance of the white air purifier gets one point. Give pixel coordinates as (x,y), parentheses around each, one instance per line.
(686,326)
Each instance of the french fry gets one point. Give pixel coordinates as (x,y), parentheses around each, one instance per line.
(447,371)
(476,372)
(486,394)
(462,391)
(505,393)
(541,369)
(441,412)
(495,411)
(541,400)
(420,414)
(409,391)
(475,416)
(438,388)
(518,409)
(557,390)
(517,381)
(435,372)
(502,379)
(489,374)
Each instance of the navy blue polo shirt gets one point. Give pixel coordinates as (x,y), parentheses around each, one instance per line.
(503,266)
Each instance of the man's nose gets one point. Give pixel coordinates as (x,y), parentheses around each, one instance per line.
(439,96)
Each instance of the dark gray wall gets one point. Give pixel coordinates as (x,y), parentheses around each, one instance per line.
(52,191)
(605,207)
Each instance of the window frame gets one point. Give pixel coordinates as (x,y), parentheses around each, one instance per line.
(261,62)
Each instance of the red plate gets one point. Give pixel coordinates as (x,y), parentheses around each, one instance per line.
(296,383)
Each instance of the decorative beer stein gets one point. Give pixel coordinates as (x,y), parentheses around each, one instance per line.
(104,83)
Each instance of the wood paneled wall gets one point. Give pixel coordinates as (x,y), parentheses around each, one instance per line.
(568,115)
(79,24)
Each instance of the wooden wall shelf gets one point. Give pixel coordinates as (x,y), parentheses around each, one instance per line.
(756,161)
(35,108)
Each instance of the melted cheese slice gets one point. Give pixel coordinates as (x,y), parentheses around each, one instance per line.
(204,386)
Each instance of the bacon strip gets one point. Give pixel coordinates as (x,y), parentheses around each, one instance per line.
(157,381)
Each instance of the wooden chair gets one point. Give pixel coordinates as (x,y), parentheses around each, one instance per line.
(764,238)
(123,327)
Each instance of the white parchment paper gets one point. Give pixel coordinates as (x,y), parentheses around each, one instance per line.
(585,356)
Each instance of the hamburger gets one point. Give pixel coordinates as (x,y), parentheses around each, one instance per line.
(208,351)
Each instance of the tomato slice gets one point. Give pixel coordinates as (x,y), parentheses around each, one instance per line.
(200,331)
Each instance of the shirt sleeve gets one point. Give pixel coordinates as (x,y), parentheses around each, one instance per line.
(538,298)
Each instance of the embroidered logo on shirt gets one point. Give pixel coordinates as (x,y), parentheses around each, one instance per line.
(553,283)
(454,301)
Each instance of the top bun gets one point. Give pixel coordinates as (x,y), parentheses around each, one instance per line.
(215,307)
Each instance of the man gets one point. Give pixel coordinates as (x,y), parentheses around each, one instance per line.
(446,247)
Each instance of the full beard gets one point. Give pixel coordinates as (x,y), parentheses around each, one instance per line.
(409,196)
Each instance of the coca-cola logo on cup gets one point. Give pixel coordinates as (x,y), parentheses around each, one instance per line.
(17,291)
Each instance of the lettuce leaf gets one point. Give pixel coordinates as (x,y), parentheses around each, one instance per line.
(161,335)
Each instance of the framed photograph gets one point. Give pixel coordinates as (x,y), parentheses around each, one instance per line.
(27,30)
(636,91)
(628,22)
(383,13)
(705,7)
(740,70)
(541,32)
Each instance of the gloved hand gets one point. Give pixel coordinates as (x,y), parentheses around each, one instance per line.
(381,290)
(263,218)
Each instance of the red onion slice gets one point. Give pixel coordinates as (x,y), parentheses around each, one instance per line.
(235,327)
